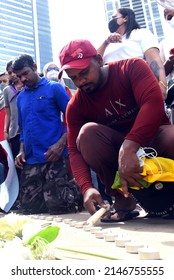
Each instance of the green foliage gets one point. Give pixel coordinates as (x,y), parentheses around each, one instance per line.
(49,234)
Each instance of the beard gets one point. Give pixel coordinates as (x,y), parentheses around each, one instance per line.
(90,87)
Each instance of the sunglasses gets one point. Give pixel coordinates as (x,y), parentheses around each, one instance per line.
(53,68)
(169,17)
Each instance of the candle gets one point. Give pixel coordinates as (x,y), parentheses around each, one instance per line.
(94,229)
(100,233)
(42,217)
(110,237)
(121,240)
(86,227)
(72,223)
(148,253)
(132,247)
(58,219)
(80,224)
(97,215)
(67,221)
(49,218)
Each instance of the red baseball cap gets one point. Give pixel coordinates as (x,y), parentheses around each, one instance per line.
(76,54)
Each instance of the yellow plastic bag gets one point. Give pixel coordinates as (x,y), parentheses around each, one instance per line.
(154,169)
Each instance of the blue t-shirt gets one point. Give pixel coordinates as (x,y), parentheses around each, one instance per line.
(39,118)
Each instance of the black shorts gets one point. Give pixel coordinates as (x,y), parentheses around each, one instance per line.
(158,199)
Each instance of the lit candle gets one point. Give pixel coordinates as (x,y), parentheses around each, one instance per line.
(97,215)
(148,253)
(132,247)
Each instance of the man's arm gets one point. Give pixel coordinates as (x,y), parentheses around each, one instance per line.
(54,152)
(154,61)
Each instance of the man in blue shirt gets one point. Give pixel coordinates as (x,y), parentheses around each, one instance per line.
(43,138)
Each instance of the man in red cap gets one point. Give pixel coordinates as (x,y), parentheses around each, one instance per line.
(117,109)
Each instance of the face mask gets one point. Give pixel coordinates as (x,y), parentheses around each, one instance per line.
(113,25)
(171,22)
(52,75)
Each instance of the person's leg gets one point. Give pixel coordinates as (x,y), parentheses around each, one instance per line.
(55,175)
(94,179)
(158,199)
(163,142)
(99,146)
(31,194)
(61,193)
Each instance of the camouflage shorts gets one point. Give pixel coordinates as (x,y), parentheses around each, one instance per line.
(38,184)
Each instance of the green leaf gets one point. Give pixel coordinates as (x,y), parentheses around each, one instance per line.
(86,253)
(49,234)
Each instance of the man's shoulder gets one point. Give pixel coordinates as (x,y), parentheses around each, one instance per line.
(76,99)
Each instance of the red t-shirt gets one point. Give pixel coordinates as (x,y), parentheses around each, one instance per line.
(129,102)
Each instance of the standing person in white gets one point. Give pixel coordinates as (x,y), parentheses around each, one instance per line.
(167,56)
(128,40)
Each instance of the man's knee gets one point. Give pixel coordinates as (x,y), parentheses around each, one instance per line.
(86,134)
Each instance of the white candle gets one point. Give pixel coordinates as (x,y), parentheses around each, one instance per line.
(97,215)
(110,237)
(121,240)
(148,253)
(79,224)
(42,217)
(94,229)
(58,219)
(132,247)
(72,223)
(49,218)
(100,234)
(67,221)
(86,227)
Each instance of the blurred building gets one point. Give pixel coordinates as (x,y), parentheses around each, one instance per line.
(148,13)
(25,28)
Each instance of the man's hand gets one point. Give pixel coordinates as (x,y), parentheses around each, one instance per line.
(129,168)
(91,199)
(19,160)
(54,152)
(114,38)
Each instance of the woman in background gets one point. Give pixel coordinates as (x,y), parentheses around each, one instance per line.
(128,40)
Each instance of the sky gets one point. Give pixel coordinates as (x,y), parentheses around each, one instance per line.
(76,19)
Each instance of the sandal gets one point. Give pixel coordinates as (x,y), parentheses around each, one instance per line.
(129,215)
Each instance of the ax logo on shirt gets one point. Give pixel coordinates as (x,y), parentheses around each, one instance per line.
(113,106)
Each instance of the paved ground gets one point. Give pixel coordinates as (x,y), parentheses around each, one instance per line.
(157,233)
